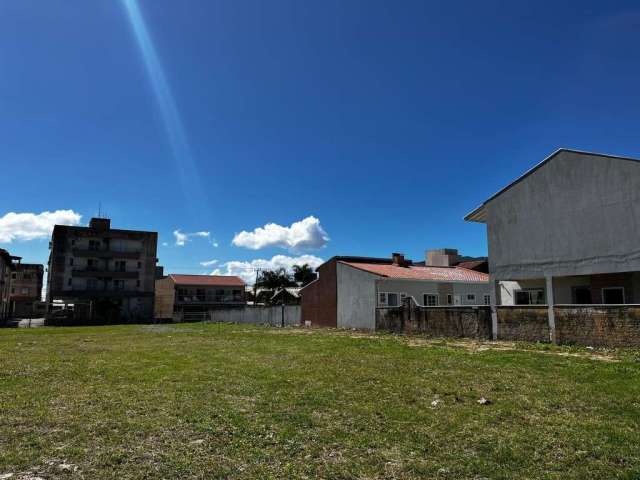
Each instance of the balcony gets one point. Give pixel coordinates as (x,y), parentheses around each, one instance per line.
(105,253)
(210,299)
(103,273)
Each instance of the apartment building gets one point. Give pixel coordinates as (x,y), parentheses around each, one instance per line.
(26,288)
(110,272)
(6,268)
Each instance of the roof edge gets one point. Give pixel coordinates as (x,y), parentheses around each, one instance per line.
(479,213)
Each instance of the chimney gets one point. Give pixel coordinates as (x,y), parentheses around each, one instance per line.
(100,224)
(399,260)
(442,257)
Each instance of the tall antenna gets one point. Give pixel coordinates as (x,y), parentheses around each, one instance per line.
(99,209)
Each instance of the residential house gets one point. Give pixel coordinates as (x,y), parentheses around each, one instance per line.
(179,294)
(109,272)
(566,232)
(26,288)
(349,289)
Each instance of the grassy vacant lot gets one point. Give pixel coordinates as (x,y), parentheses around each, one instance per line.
(234,401)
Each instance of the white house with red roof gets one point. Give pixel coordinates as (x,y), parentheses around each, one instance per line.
(178,293)
(350,289)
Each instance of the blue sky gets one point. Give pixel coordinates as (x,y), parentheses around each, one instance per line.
(385,121)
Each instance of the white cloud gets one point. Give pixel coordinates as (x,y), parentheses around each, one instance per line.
(303,235)
(183,238)
(247,270)
(209,263)
(30,226)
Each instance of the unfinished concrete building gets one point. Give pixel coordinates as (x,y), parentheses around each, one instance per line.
(108,272)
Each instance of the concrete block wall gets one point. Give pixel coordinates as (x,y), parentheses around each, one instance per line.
(524,323)
(460,321)
(599,325)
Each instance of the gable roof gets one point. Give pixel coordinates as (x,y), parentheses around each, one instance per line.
(479,214)
(442,274)
(207,280)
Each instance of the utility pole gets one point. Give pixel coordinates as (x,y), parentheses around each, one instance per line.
(255,288)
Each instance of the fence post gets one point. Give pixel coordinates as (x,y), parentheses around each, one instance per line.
(493,296)
(550,311)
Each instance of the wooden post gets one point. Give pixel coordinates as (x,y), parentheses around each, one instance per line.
(550,312)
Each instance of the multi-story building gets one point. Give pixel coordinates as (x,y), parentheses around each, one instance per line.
(26,288)
(6,268)
(110,272)
(180,294)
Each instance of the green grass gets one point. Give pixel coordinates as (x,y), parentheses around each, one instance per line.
(233,401)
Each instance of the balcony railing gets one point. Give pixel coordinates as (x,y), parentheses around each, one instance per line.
(106,253)
(97,272)
(210,299)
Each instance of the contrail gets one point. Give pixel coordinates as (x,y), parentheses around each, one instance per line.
(189,178)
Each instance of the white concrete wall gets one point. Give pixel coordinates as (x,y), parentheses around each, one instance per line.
(356,298)
(258,315)
(578,214)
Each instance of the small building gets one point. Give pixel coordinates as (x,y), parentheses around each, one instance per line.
(108,272)
(180,294)
(26,288)
(349,289)
(566,232)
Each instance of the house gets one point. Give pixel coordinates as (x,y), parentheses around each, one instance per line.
(566,232)
(349,289)
(179,294)
(7,266)
(286,296)
(26,288)
(110,272)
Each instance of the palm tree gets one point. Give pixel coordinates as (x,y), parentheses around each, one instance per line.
(304,274)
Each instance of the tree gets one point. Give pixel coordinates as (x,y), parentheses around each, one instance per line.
(304,274)
(274,279)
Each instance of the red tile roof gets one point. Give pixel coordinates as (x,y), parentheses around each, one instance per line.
(443,274)
(208,280)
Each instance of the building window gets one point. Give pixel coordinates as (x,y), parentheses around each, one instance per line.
(24,291)
(392,299)
(13,290)
(581,295)
(94,244)
(92,284)
(530,296)
(139,264)
(73,242)
(69,282)
(382,299)
(430,300)
(471,297)
(487,299)
(14,276)
(71,262)
(449,299)
(121,266)
(26,276)
(118,284)
(138,283)
(613,295)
